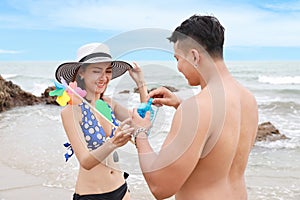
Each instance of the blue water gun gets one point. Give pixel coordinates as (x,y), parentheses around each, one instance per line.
(144,107)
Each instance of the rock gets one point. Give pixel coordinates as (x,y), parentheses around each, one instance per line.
(49,99)
(12,95)
(268,132)
(172,89)
(124,92)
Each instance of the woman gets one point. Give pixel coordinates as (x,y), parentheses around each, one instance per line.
(93,138)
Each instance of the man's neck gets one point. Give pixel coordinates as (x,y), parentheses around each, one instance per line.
(216,70)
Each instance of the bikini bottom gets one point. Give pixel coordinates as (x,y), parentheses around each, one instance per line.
(117,194)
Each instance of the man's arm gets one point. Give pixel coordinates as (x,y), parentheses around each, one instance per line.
(168,170)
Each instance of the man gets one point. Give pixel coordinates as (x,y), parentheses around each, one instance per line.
(205,153)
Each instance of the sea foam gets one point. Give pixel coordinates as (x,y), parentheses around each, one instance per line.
(277,80)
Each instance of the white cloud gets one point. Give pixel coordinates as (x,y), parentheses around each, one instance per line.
(293,6)
(245,24)
(3,51)
(250,26)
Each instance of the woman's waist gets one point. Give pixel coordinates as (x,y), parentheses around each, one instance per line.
(98,181)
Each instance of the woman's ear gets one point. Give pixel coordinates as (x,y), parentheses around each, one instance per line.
(80,74)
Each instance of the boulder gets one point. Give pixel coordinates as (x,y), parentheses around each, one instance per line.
(12,95)
(171,88)
(124,92)
(268,132)
(47,98)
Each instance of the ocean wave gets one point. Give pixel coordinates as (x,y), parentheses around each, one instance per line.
(283,105)
(25,77)
(30,83)
(278,80)
(279,144)
(277,95)
(9,76)
(38,89)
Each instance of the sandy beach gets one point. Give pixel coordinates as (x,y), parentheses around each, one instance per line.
(16,184)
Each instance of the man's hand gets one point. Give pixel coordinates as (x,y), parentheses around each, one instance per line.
(138,121)
(163,96)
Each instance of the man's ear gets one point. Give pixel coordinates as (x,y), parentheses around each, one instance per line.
(196,56)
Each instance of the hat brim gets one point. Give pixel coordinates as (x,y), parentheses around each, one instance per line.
(68,70)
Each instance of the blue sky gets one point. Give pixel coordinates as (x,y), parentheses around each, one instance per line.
(33,30)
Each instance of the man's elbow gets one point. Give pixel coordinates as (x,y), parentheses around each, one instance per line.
(86,166)
(161,192)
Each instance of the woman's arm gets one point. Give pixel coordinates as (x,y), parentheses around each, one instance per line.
(137,76)
(89,159)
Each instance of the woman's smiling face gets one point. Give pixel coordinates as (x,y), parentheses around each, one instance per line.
(96,77)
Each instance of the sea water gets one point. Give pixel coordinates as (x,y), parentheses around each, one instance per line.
(32,137)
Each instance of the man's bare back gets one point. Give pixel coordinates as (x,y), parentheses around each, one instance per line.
(220,174)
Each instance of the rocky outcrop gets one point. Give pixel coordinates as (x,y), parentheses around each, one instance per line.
(268,132)
(136,90)
(172,89)
(47,98)
(12,95)
(124,92)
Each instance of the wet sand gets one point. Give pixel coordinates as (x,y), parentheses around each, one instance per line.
(16,184)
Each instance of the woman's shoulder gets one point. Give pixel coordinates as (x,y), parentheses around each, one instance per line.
(109,101)
(106,98)
(69,110)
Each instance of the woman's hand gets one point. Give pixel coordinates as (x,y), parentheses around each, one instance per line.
(137,75)
(123,133)
(163,96)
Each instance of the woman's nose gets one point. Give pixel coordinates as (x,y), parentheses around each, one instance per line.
(103,76)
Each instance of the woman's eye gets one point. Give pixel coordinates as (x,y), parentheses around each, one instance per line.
(97,72)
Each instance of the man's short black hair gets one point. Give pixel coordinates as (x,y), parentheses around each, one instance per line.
(205,30)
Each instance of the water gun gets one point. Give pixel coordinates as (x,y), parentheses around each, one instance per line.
(145,107)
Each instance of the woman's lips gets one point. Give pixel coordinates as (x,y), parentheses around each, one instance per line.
(100,85)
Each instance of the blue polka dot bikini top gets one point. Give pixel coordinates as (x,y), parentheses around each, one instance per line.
(93,131)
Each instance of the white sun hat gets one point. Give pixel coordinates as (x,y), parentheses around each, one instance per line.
(88,54)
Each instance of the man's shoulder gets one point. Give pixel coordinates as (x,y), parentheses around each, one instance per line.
(248,96)
(202,98)
(198,105)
